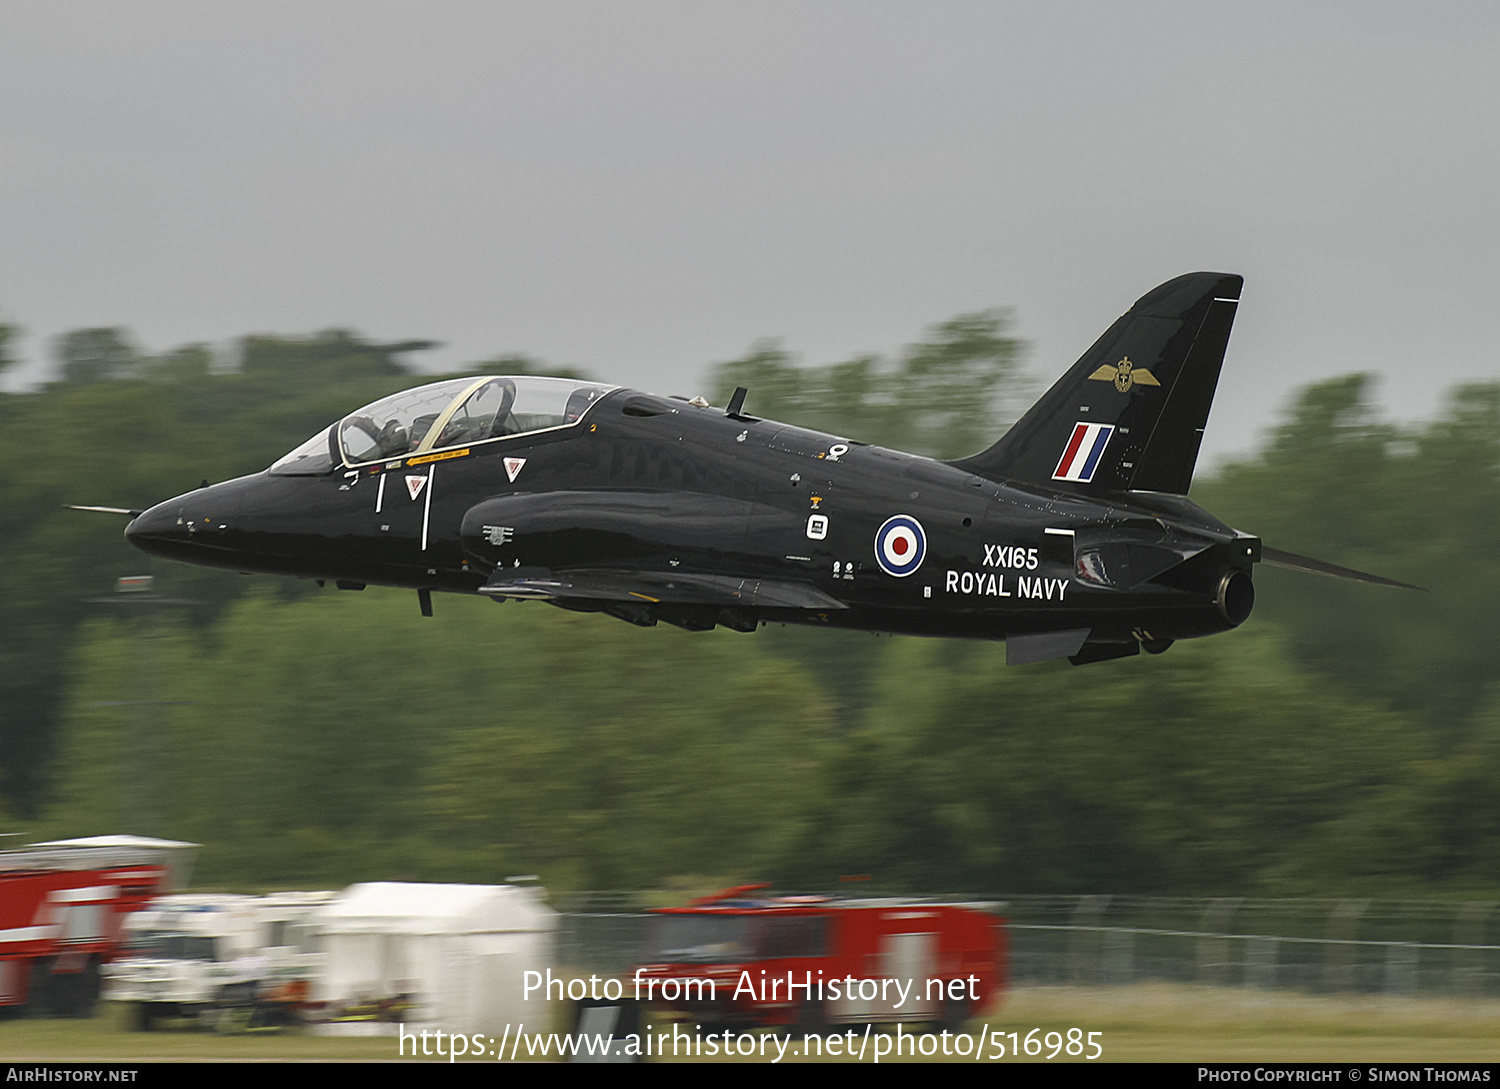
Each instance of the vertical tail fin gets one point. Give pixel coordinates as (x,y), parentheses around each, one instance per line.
(1130,413)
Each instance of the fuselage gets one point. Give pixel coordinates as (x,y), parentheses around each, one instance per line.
(643,484)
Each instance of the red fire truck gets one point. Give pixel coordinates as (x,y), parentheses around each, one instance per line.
(741,957)
(62,906)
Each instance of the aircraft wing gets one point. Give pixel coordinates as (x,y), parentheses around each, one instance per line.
(655,587)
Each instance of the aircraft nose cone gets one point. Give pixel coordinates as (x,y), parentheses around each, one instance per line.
(184,527)
(155,527)
(151,522)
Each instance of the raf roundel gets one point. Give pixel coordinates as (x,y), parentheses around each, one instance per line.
(900,545)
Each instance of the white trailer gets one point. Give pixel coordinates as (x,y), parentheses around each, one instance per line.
(231,961)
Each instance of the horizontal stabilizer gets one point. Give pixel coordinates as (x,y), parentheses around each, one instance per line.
(1293,562)
(651,587)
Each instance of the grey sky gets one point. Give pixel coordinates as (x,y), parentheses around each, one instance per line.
(643,188)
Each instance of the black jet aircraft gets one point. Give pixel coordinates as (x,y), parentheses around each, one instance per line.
(1070,537)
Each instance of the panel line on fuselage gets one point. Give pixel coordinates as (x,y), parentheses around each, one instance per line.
(427,504)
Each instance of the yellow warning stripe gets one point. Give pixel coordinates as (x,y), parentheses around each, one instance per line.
(425,458)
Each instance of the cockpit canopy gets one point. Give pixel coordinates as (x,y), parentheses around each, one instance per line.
(443,415)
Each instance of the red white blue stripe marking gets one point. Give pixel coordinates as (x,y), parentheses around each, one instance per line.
(900,545)
(1084,451)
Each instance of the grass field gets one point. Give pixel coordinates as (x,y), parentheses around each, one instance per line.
(1138,1023)
(1189,1024)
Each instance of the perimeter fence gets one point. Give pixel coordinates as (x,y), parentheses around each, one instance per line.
(1395,947)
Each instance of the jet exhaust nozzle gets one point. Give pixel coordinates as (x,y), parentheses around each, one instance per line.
(1235,597)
